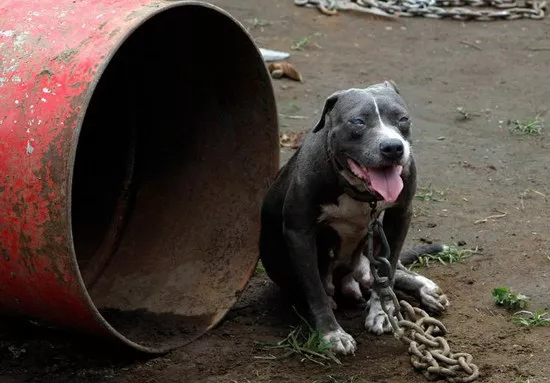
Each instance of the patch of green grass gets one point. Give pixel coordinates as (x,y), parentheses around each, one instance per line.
(451,254)
(464,114)
(304,342)
(260,269)
(529,127)
(429,194)
(292,108)
(301,43)
(258,23)
(509,299)
(419,211)
(532,319)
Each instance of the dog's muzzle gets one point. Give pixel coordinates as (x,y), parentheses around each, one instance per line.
(385,182)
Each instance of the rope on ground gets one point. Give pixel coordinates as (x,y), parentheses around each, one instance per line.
(476,10)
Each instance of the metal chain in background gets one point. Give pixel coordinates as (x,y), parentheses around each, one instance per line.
(429,350)
(479,10)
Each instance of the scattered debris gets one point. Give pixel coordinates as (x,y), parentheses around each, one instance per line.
(284,69)
(301,43)
(464,115)
(258,23)
(527,193)
(290,117)
(501,214)
(539,49)
(271,55)
(471,45)
(292,140)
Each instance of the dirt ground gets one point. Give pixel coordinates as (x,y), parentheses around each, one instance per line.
(495,71)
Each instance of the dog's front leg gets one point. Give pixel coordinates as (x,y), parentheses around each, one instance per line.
(396,225)
(301,243)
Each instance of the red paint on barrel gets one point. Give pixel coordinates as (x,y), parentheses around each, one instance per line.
(50,52)
(51,56)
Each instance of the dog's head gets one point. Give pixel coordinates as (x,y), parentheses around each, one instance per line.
(369,138)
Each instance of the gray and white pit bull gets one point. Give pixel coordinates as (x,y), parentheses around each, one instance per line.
(315,215)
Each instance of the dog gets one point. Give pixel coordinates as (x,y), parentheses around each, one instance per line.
(315,215)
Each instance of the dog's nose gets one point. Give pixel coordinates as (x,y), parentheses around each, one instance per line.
(392,148)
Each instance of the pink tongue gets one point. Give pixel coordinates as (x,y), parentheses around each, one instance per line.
(387,182)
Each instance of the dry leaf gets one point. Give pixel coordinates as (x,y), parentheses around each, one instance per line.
(292,140)
(280,69)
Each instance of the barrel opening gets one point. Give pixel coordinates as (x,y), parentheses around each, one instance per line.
(176,150)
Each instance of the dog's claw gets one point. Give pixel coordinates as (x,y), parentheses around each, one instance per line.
(377,321)
(340,342)
(433,299)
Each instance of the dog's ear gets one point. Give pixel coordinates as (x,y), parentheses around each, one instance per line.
(392,84)
(329,104)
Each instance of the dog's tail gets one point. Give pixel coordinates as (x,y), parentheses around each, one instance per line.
(408,256)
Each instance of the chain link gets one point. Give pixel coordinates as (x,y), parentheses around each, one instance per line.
(429,350)
(478,10)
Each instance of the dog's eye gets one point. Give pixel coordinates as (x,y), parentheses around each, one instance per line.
(404,122)
(357,121)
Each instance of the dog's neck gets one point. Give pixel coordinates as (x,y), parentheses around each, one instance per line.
(355,194)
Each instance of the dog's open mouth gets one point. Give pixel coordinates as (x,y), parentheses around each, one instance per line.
(386,181)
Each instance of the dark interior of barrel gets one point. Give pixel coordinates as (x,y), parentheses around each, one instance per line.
(176,150)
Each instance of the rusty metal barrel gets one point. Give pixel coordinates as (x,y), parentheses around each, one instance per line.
(137,140)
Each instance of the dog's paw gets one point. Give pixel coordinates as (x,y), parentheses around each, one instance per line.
(377,321)
(431,296)
(340,342)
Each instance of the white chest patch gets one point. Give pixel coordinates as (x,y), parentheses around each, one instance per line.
(350,219)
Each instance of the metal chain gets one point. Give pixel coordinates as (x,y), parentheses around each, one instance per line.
(429,350)
(478,10)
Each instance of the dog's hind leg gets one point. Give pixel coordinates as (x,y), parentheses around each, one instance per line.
(274,254)
(428,293)
(424,289)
